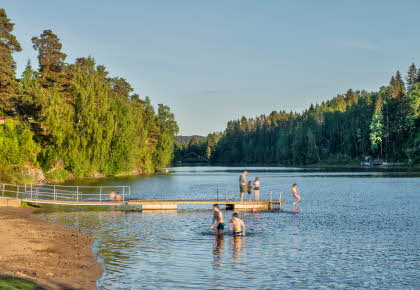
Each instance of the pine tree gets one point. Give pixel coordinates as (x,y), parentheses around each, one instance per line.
(397,86)
(51,59)
(411,77)
(8,45)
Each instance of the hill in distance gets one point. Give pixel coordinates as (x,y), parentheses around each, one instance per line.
(187,139)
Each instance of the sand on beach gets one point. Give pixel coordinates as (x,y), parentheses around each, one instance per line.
(52,255)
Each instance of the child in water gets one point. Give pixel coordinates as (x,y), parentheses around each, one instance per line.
(295,194)
(249,190)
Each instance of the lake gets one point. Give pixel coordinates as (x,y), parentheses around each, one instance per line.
(352,229)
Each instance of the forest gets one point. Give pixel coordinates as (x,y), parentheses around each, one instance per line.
(354,127)
(63,120)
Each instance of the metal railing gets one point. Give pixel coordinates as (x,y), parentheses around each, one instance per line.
(264,196)
(65,192)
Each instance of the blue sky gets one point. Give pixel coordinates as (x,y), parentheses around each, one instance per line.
(214,61)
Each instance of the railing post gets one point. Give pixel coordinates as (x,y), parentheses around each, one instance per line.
(123,193)
(31,192)
(100,194)
(77,193)
(271,196)
(2,189)
(17,194)
(129,190)
(226,196)
(55,194)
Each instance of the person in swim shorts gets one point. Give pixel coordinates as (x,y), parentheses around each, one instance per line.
(218,220)
(242,184)
(295,194)
(238,225)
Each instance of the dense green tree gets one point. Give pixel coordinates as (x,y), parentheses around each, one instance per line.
(76,119)
(8,45)
(51,59)
(348,127)
(18,151)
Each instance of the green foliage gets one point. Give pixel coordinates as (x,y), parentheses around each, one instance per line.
(203,147)
(14,283)
(376,126)
(8,45)
(348,127)
(17,150)
(85,122)
(51,59)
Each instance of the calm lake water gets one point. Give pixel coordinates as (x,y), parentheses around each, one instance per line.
(353,229)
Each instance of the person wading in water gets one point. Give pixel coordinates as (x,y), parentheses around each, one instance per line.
(218,219)
(238,225)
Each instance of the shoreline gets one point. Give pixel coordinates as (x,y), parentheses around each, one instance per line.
(51,255)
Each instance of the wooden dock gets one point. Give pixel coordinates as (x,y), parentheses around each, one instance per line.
(163,204)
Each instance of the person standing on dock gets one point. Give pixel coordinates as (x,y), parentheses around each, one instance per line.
(295,194)
(257,188)
(218,219)
(242,185)
(249,190)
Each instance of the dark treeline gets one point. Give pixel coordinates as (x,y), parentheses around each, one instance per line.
(198,148)
(350,127)
(74,118)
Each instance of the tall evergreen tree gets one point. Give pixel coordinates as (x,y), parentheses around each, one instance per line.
(418,76)
(397,86)
(411,77)
(8,45)
(51,59)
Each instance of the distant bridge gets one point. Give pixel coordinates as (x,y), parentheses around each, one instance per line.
(99,196)
(193,157)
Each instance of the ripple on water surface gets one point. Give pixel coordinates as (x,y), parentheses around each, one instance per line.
(350,231)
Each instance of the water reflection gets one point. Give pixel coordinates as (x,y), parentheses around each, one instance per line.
(238,245)
(218,251)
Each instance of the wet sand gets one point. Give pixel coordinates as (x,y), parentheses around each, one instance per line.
(52,255)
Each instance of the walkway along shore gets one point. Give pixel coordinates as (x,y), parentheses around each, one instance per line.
(52,255)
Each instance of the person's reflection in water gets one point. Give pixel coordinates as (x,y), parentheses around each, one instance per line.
(238,244)
(296,209)
(218,251)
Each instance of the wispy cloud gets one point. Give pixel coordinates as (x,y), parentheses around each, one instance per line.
(216,92)
(361,45)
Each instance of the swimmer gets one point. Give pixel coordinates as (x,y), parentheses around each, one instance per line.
(118,196)
(112,195)
(218,219)
(295,194)
(238,225)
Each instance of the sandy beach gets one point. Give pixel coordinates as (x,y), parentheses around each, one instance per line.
(52,255)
